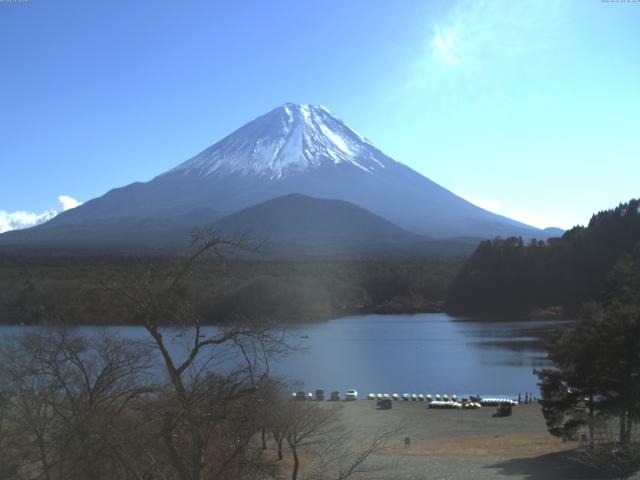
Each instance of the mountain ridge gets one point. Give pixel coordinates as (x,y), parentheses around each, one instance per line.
(293,226)
(300,218)
(297,149)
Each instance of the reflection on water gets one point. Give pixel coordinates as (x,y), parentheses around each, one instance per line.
(425,353)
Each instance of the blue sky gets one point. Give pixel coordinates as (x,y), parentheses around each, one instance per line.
(531,109)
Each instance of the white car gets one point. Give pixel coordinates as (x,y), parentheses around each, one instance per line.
(351,395)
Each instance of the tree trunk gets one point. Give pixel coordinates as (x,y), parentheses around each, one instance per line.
(278,440)
(197,456)
(174,457)
(591,420)
(296,463)
(264,438)
(43,459)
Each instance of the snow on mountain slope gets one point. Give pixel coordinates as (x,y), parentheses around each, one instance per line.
(289,139)
(300,149)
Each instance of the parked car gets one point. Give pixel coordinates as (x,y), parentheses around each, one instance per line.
(351,395)
(320,394)
(335,396)
(504,410)
(299,396)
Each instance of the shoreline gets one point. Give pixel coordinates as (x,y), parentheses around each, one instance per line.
(309,320)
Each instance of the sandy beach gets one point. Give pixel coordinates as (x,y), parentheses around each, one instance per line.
(464,444)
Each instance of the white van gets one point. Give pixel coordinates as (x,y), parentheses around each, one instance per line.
(351,395)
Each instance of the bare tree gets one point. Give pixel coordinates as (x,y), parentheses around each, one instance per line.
(74,407)
(8,467)
(307,424)
(206,426)
(607,454)
(277,421)
(334,452)
(66,402)
(341,456)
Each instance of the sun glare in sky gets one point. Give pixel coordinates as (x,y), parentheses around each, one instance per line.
(444,46)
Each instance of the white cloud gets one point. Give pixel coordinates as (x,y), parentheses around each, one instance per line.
(66,202)
(23,219)
(533,219)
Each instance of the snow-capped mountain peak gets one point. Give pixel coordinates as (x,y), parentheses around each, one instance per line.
(289,139)
(294,149)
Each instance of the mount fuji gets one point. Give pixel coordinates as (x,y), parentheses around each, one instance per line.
(293,149)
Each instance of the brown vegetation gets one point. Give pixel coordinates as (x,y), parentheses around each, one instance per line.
(71,290)
(106,407)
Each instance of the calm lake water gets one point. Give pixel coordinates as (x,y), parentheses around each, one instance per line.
(425,353)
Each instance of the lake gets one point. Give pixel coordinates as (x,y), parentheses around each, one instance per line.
(423,353)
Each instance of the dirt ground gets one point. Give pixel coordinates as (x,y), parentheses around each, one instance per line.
(464,444)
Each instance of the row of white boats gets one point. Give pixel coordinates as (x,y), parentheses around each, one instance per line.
(445,401)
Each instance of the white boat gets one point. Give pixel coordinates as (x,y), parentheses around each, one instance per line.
(371,396)
(445,405)
(495,401)
(421,397)
(395,396)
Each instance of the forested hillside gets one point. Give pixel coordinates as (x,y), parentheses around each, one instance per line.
(512,277)
(78,290)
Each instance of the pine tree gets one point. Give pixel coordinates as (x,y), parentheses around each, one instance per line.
(597,363)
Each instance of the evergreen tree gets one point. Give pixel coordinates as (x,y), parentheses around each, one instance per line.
(509,277)
(569,390)
(597,363)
